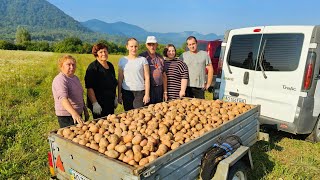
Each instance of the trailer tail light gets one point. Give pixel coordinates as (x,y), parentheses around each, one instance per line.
(309,71)
(50,159)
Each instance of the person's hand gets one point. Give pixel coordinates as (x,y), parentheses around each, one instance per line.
(115,102)
(165,96)
(146,99)
(206,86)
(96,108)
(77,118)
(182,94)
(120,99)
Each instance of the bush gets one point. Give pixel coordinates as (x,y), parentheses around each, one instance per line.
(7,45)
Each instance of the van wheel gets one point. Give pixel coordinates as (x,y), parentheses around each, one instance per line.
(316,131)
(238,171)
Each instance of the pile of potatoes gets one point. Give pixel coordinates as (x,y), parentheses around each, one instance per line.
(138,137)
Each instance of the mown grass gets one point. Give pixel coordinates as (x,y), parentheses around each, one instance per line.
(27,117)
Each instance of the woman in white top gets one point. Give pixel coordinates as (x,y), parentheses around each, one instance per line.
(133,78)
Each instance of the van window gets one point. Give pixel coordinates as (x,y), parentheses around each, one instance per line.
(244,50)
(217,53)
(282,52)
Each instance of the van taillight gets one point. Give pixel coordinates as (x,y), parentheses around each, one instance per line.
(309,71)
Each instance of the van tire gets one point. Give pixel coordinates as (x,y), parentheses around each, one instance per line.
(316,131)
(314,137)
(238,171)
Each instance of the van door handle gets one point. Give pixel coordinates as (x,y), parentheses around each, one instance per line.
(234,94)
(246,78)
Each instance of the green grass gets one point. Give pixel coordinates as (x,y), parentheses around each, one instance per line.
(27,116)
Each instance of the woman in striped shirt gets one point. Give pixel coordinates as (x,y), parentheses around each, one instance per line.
(177,73)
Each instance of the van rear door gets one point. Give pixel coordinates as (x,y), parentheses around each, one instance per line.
(280,70)
(241,54)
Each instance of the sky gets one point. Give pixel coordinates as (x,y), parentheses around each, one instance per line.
(203,16)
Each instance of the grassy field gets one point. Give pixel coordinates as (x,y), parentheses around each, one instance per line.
(27,116)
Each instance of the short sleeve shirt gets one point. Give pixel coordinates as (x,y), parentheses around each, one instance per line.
(102,81)
(133,73)
(156,66)
(196,63)
(70,88)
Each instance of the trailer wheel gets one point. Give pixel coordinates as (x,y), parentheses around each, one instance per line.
(238,171)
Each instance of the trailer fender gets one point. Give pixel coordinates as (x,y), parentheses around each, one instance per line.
(242,154)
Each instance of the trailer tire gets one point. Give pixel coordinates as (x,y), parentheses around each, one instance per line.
(238,171)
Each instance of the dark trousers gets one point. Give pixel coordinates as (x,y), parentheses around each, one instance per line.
(132,99)
(65,121)
(194,92)
(156,94)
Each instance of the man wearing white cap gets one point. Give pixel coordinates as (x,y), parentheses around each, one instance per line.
(158,78)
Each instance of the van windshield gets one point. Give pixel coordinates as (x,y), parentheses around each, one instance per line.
(281,52)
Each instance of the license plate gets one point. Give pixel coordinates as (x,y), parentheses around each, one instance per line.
(233,99)
(77,176)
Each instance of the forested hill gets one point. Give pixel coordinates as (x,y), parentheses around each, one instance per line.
(44,21)
(38,14)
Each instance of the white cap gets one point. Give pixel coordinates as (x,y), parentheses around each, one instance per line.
(151,39)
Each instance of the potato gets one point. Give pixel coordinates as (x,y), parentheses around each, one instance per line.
(94,146)
(111,146)
(137,139)
(113,139)
(136,148)
(112,154)
(97,137)
(175,145)
(152,158)
(137,156)
(128,138)
(143,161)
(94,129)
(121,148)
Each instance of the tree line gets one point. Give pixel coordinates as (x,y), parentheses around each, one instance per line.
(23,41)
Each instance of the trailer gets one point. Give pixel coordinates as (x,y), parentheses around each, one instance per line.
(69,160)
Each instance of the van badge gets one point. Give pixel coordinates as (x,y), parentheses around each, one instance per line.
(227,78)
(289,88)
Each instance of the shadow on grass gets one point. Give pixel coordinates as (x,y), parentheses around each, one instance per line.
(263,163)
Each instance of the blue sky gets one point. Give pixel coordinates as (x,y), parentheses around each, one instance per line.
(203,16)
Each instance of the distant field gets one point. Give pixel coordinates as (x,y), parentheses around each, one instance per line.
(27,116)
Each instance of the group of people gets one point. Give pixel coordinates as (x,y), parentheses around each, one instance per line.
(143,79)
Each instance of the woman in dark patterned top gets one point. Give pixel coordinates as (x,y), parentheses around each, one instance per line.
(177,73)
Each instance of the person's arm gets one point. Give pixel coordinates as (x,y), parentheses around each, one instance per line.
(120,80)
(75,116)
(146,97)
(96,108)
(183,87)
(91,95)
(210,76)
(165,85)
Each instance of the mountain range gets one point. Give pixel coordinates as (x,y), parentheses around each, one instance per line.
(47,22)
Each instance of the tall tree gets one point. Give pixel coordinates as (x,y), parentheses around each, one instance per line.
(22,35)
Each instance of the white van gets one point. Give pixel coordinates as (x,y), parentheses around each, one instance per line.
(278,68)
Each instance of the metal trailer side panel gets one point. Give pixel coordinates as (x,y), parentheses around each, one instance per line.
(182,162)
(88,162)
